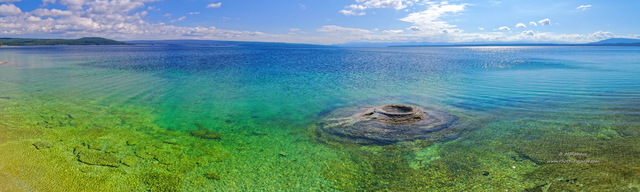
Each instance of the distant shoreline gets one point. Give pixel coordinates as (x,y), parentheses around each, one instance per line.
(525,45)
(52,42)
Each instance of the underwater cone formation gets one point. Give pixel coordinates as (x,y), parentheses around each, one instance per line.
(386,124)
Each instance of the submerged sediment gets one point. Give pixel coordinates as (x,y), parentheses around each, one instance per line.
(386,124)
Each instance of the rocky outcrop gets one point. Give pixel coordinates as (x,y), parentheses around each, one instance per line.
(386,124)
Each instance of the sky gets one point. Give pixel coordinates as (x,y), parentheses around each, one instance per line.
(325,21)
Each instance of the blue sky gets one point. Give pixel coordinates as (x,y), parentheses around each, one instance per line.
(325,21)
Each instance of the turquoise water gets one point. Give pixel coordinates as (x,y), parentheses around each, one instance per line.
(524,107)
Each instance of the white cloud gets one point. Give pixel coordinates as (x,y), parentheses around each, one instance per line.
(351,12)
(178,19)
(413,28)
(481,28)
(110,7)
(116,19)
(449,31)
(73,4)
(51,13)
(545,22)
(504,28)
(528,33)
(393,31)
(45,2)
(334,29)
(395,4)
(521,25)
(583,7)
(430,20)
(532,23)
(602,35)
(194,13)
(9,1)
(358,9)
(32,18)
(9,9)
(214,5)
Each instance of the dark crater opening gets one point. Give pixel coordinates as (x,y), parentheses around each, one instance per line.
(398,109)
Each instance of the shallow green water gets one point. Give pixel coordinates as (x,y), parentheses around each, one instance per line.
(524,108)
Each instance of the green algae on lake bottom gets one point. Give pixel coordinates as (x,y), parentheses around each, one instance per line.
(513,164)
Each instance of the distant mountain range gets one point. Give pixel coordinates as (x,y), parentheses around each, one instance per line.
(214,43)
(81,41)
(618,41)
(607,42)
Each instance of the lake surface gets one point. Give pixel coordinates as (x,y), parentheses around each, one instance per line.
(122,118)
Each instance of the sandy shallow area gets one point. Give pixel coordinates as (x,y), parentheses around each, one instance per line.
(101,159)
(73,147)
(35,161)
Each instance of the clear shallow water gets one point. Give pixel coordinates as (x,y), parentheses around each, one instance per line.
(526,105)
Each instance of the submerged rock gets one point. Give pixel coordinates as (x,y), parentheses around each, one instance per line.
(259,133)
(144,154)
(42,145)
(212,176)
(92,157)
(206,134)
(386,124)
(129,161)
(170,141)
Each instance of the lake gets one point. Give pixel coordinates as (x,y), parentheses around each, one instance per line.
(245,118)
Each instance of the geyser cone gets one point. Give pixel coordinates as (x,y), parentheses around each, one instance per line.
(385,124)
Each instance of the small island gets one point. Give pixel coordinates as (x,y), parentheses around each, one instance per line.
(37,42)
